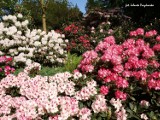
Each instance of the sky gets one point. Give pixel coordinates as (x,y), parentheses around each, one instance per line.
(81,4)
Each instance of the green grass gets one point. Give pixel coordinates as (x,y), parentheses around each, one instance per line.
(18,71)
(72,62)
(49,71)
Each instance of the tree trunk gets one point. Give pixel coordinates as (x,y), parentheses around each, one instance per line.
(44,22)
(43,7)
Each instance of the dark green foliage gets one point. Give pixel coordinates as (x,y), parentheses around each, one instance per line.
(13,91)
(7,6)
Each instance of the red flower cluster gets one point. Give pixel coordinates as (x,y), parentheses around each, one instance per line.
(84,40)
(5,68)
(72,29)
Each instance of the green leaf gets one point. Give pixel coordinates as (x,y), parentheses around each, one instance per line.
(103,114)
(131,106)
(81,105)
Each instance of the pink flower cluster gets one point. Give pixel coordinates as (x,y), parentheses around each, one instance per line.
(120,111)
(86,92)
(99,105)
(63,84)
(140,31)
(36,97)
(85,114)
(116,64)
(5,67)
(86,63)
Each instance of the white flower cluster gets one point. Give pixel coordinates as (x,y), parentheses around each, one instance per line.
(33,66)
(99,105)
(64,85)
(24,45)
(120,111)
(87,91)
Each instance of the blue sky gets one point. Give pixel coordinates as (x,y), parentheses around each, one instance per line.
(81,4)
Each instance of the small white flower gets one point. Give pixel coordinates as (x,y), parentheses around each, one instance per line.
(37,43)
(18,24)
(19,15)
(5,18)
(144,116)
(66,40)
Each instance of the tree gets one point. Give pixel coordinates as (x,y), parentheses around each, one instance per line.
(56,12)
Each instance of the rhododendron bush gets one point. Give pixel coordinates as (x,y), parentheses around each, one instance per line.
(129,72)
(26,46)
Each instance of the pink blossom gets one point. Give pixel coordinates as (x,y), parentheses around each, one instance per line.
(120,95)
(1,69)
(104,90)
(99,105)
(116,60)
(87,68)
(102,73)
(158,38)
(141,75)
(84,113)
(140,42)
(121,115)
(107,79)
(102,46)
(129,43)
(110,40)
(121,83)
(140,31)
(127,73)
(154,63)
(151,33)
(144,103)
(155,75)
(151,83)
(133,33)
(90,54)
(2,59)
(118,68)
(156,47)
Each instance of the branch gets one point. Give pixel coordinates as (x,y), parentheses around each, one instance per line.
(47,2)
(40,2)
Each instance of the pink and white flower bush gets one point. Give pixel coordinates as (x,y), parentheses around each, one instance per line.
(112,82)
(26,46)
(48,97)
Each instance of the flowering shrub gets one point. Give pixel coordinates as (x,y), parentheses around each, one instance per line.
(5,66)
(127,75)
(78,40)
(26,45)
